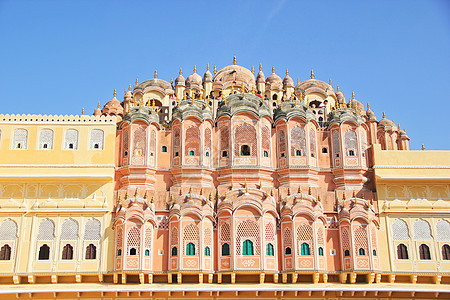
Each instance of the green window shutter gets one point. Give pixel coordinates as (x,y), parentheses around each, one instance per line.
(225,249)
(248,248)
(269,250)
(320,251)
(305,249)
(190,249)
(207,251)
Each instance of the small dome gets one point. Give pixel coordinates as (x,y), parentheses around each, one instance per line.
(371,115)
(260,78)
(274,81)
(386,122)
(194,80)
(97,112)
(287,81)
(113,107)
(207,77)
(180,80)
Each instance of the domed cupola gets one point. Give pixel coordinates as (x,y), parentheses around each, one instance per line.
(194,81)
(243,102)
(287,81)
(233,76)
(274,82)
(113,108)
(180,81)
(343,114)
(339,95)
(192,107)
(370,114)
(142,112)
(207,77)
(292,108)
(313,86)
(260,78)
(386,124)
(98,111)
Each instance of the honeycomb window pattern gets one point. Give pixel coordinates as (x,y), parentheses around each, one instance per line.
(248,229)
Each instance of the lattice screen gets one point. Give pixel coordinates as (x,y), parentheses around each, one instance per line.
(248,229)
(443,231)
(152,141)
(336,143)
(71,139)
(345,239)
(400,230)
(207,238)
(97,137)
(119,238)
(304,235)
(312,141)
(282,140)
(125,141)
(134,240)
(174,239)
(139,141)
(69,230)
(298,140)
(265,138)
(373,237)
(287,237)
(245,134)
(21,136)
(191,234)
(92,230)
(8,230)
(192,140)
(208,139)
(176,139)
(360,238)
(422,231)
(320,236)
(270,231)
(148,237)
(46,138)
(225,232)
(46,230)
(224,138)
(350,141)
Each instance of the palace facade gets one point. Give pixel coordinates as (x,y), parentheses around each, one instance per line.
(222,179)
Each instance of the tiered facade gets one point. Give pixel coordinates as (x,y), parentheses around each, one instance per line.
(224,178)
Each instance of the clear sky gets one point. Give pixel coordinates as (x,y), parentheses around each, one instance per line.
(59,56)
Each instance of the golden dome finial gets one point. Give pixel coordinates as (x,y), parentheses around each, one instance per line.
(242,88)
(115,93)
(153,104)
(215,70)
(329,82)
(181,71)
(423,147)
(246,186)
(232,89)
(299,189)
(301,193)
(344,196)
(82,111)
(253,70)
(260,67)
(307,102)
(195,69)
(129,88)
(171,80)
(207,66)
(353,95)
(312,74)
(398,126)
(337,87)
(201,191)
(384,115)
(318,198)
(289,191)
(298,80)
(98,106)
(287,72)
(152,200)
(180,192)
(137,81)
(273,69)
(309,191)
(145,194)
(354,194)
(234,60)
(368,106)
(156,74)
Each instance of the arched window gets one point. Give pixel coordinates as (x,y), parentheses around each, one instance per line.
(147,252)
(361,251)
(247,248)
(224,153)
(225,249)
(320,251)
(374,252)
(245,150)
(207,251)
(67,252)
(207,154)
(174,251)
(97,139)
(119,252)
(269,250)
(274,97)
(351,152)
(5,252)
(424,252)
(266,154)
(133,251)
(445,252)
(347,253)
(20,139)
(191,153)
(46,139)
(288,250)
(92,230)
(44,252)
(304,249)
(324,150)
(71,140)
(91,251)
(298,153)
(164,149)
(8,230)
(190,249)
(69,230)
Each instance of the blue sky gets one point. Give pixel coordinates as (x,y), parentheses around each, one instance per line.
(59,56)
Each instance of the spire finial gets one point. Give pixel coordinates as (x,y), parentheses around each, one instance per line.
(273,69)
(156,73)
(181,71)
(289,191)
(242,88)
(287,72)
(215,70)
(354,194)
(253,70)
(137,81)
(298,80)
(423,147)
(181,191)
(201,191)
(145,194)
(337,87)
(260,67)
(309,191)
(207,66)
(246,186)
(353,95)
(384,115)
(114,93)
(98,106)
(312,74)
(82,111)
(195,69)
(129,88)
(398,126)
(368,106)
(171,80)
(234,60)
(330,82)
